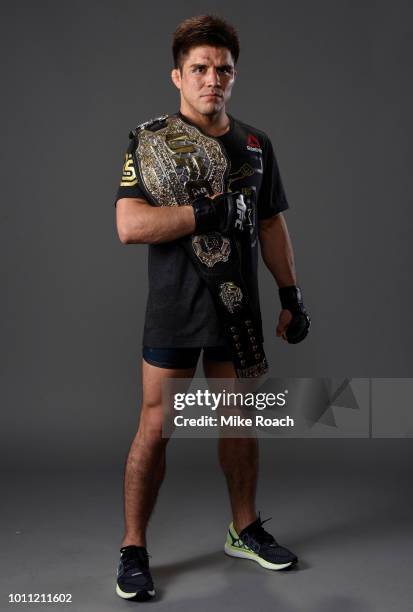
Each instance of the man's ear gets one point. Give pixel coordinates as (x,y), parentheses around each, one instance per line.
(176,77)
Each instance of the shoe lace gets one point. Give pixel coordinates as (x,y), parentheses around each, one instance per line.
(258,532)
(136,557)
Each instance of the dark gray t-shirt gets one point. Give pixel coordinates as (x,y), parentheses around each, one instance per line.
(180,311)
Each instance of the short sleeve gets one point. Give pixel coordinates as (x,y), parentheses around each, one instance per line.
(129,183)
(271,199)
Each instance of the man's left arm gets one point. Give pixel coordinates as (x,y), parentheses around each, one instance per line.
(277,253)
(277,250)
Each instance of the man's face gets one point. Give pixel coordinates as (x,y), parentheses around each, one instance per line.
(205,79)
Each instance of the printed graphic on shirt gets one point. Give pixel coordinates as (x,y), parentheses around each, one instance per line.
(253,144)
(129,178)
(238,175)
(250,198)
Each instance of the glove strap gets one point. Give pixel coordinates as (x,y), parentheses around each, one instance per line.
(291,298)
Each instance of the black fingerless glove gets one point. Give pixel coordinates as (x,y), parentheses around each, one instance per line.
(225,213)
(291,300)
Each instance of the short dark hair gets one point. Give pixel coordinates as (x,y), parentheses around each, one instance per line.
(204,30)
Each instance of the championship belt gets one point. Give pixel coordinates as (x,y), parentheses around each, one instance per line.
(178,163)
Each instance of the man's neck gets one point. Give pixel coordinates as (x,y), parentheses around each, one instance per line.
(213,125)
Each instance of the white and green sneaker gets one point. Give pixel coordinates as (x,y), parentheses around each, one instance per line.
(258,545)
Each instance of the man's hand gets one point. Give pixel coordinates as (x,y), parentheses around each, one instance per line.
(224,213)
(294,321)
(283,322)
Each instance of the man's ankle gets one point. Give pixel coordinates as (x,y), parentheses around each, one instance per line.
(133,541)
(239,525)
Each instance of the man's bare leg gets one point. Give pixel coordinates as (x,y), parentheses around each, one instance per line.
(145,465)
(239,460)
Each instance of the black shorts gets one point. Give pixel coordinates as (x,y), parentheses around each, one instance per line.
(175,358)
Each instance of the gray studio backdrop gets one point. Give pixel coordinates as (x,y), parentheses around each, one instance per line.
(328,81)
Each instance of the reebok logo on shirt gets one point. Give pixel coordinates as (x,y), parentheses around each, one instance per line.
(253,144)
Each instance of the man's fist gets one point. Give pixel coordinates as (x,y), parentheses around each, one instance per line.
(224,213)
(294,321)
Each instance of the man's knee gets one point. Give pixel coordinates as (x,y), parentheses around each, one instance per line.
(151,423)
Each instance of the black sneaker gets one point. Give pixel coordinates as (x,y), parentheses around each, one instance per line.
(134,580)
(258,545)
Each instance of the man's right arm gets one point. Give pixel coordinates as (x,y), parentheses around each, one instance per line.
(138,222)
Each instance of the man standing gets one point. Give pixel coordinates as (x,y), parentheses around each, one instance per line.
(182,314)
